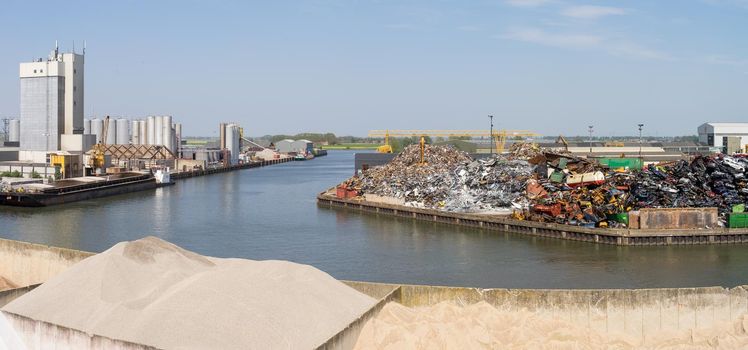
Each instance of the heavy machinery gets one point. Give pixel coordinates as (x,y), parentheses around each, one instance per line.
(97,157)
(562,140)
(498,136)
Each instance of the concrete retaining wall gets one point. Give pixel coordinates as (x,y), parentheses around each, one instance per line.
(27,263)
(639,313)
(41,335)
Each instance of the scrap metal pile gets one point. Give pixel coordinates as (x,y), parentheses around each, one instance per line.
(406,177)
(546,186)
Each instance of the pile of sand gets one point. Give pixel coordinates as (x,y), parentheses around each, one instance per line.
(6,284)
(154,293)
(482,326)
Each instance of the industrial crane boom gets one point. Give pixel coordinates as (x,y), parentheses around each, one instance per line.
(499,136)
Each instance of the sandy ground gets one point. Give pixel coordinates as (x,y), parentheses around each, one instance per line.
(6,284)
(482,326)
(155,293)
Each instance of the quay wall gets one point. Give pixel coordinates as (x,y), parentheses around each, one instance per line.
(203,172)
(503,223)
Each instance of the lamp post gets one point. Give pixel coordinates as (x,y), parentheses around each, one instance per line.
(590,129)
(490,145)
(640,140)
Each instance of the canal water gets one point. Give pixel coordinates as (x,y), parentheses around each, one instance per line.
(271,213)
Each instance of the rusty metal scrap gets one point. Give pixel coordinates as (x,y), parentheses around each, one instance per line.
(544,186)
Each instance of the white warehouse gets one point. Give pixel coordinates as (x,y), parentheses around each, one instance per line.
(729,137)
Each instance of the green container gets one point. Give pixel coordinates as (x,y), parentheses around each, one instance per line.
(738,220)
(562,163)
(738,208)
(557,176)
(622,163)
(620,217)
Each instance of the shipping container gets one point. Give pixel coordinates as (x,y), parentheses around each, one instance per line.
(622,163)
(738,220)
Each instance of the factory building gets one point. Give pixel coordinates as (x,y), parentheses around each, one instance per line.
(730,137)
(51,100)
(295,146)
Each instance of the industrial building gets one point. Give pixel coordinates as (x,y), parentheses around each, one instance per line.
(728,137)
(295,146)
(51,101)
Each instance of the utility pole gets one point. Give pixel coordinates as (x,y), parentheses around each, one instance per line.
(491,145)
(590,131)
(640,140)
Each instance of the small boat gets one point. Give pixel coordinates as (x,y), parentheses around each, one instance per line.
(299,157)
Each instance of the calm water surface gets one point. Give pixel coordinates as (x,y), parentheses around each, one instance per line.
(271,213)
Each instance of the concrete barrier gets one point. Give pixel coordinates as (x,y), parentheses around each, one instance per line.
(639,313)
(29,263)
(42,335)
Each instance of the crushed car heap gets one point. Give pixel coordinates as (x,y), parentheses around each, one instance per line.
(549,186)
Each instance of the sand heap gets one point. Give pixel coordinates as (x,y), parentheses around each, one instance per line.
(154,293)
(6,284)
(482,326)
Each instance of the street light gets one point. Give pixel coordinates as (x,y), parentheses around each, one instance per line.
(490,145)
(590,131)
(640,140)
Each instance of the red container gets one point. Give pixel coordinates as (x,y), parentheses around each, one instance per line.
(351,194)
(341,192)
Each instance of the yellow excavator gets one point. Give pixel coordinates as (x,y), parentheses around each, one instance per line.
(98,151)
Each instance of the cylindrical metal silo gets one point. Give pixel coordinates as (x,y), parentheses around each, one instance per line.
(222,135)
(135,132)
(229,140)
(150,131)
(14,130)
(143,132)
(111,134)
(167,136)
(158,130)
(123,132)
(178,136)
(86,126)
(97,125)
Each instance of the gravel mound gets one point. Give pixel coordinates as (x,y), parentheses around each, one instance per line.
(154,293)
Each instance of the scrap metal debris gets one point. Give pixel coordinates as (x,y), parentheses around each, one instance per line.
(547,186)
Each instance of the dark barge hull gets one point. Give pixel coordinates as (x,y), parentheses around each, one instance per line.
(104,190)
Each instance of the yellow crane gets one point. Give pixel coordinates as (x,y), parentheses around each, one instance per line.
(498,136)
(98,151)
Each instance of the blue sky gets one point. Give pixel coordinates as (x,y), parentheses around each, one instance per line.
(551,66)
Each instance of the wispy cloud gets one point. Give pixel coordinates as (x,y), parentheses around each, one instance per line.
(585,41)
(527,3)
(592,12)
(539,36)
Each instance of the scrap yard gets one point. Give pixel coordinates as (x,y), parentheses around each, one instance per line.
(549,192)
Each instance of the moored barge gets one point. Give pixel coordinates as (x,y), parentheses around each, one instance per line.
(81,188)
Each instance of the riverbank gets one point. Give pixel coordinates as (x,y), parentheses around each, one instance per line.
(689,317)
